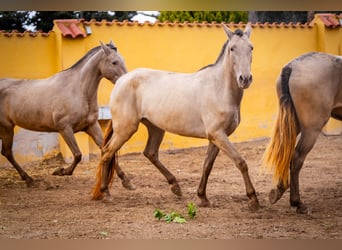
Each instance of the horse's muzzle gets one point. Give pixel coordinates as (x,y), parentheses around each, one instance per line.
(245,81)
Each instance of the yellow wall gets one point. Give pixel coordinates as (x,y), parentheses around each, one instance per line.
(27,56)
(174,47)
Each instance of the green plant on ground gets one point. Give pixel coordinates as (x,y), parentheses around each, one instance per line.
(175,216)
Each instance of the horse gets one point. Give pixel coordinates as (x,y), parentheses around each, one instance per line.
(65,102)
(309,89)
(202,104)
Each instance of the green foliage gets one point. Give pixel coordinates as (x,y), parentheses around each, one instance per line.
(158,214)
(201,16)
(13,20)
(175,216)
(169,217)
(192,209)
(43,20)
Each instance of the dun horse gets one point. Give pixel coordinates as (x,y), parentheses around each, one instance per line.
(65,102)
(309,89)
(203,104)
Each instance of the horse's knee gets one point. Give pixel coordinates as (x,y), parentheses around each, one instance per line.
(78,157)
(5,152)
(242,165)
(152,156)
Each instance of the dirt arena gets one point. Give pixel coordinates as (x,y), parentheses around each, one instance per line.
(61,208)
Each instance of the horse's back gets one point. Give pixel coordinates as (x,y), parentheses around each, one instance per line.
(164,98)
(315,86)
(9,82)
(316,66)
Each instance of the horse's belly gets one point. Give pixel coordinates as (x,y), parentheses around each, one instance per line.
(35,126)
(184,126)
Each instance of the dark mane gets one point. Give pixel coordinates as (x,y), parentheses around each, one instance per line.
(89,54)
(238,32)
(218,58)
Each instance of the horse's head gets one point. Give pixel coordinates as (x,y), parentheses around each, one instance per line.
(239,51)
(113,65)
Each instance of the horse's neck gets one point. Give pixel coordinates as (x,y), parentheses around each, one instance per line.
(228,83)
(90,77)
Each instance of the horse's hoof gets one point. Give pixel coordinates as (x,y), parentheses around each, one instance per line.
(59,171)
(128,185)
(253,206)
(204,203)
(30,183)
(302,209)
(107,199)
(176,189)
(274,195)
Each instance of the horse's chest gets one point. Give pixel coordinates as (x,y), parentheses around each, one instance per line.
(83,118)
(233,121)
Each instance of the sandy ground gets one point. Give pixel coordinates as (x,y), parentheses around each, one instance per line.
(61,207)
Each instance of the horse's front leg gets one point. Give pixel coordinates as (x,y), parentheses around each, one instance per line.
(95,132)
(220,139)
(207,166)
(68,136)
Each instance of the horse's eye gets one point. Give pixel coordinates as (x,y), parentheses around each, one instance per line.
(115,62)
(231,49)
(252,47)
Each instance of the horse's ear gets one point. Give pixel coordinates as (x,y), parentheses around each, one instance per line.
(228,31)
(111,43)
(105,48)
(248,29)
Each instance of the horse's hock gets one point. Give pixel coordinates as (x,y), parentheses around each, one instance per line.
(181,47)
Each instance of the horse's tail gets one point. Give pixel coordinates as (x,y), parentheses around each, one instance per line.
(97,193)
(280,151)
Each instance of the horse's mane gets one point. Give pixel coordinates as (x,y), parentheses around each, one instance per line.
(89,54)
(237,32)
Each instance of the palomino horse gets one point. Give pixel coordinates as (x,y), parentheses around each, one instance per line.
(65,102)
(309,91)
(203,104)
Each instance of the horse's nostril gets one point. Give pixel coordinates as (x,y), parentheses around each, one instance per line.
(240,79)
(250,78)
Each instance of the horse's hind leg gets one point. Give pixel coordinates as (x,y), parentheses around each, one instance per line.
(207,167)
(7,142)
(155,137)
(305,144)
(108,156)
(95,133)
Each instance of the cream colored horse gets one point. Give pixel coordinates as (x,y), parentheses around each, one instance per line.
(65,102)
(203,104)
(309,89)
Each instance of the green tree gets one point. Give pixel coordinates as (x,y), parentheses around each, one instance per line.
(108,15)
(201,16)
(43,20)
(10,20)
(284,16)
(278,16)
